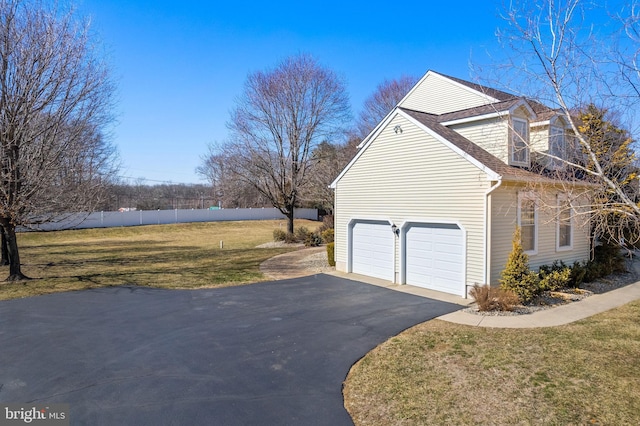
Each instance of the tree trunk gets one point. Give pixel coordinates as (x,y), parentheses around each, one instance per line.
(9,232)
(290,214)
(4,259)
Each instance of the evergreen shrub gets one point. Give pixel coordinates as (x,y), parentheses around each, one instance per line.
(516,275)
(330,254)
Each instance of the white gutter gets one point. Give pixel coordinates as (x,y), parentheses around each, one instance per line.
(487,231)
(475,118)
(541,123)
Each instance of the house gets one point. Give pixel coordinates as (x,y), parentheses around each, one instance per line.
(436,190)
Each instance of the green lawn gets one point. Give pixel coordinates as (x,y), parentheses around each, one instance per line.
(441,373)
(167,256)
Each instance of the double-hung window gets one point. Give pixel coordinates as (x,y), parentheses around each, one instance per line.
(564,229)
(519,142)
(528,222)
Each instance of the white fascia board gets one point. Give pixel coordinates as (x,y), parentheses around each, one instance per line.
(496,114)
(540,123)
(553,121)
(491,175)
(471,119)
(376,130)
(526,105)
(415,86)
(365,143)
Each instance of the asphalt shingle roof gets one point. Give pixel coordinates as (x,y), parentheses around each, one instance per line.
(479,110)
(507,172)
(506,100)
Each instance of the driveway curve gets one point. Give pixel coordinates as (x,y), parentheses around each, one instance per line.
(273,353)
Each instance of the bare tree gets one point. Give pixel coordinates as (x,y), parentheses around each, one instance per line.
(329,160)
(213,168)
(280,118)
(381,102)
(612,147)
(55,99)
(569,55)
(230,191)
(626,55)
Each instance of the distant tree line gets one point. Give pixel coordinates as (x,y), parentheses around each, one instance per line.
(164,197)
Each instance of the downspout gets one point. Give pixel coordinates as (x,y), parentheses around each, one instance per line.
(487,230)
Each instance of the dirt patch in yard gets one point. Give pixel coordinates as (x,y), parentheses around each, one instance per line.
(299,263)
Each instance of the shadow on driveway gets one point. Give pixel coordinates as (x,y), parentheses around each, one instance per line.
(273,353)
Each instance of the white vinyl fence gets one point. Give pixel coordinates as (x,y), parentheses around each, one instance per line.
(160,217)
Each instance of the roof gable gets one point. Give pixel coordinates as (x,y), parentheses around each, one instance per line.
(495,168)
(479,155)
(460,101)
(443,134)
(439,94)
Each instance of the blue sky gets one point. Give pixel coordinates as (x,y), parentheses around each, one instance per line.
(180,65)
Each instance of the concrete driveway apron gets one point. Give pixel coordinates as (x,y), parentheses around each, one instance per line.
(273,353)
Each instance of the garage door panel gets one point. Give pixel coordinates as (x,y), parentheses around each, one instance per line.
(434,257)
(447,248)
(372,249)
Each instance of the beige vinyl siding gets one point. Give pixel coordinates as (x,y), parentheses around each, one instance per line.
(436,94)
(504,212)
(411,176)
(491,135)
(539,137)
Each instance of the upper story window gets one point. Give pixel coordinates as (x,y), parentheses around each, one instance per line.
(557,144)
(519,147)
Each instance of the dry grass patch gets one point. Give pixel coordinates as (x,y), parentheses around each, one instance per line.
(167,256)
(442,373)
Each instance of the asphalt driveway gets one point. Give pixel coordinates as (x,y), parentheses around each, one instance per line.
(273,353)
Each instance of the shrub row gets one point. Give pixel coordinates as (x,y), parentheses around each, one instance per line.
(324,234)
(527,284)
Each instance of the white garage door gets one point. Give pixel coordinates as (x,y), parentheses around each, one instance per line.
(372,250)
(434,257)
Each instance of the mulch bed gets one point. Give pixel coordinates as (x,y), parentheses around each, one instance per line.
(552,299)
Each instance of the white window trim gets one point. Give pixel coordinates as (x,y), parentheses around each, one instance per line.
(562,198)
(512,146)
(529,196)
